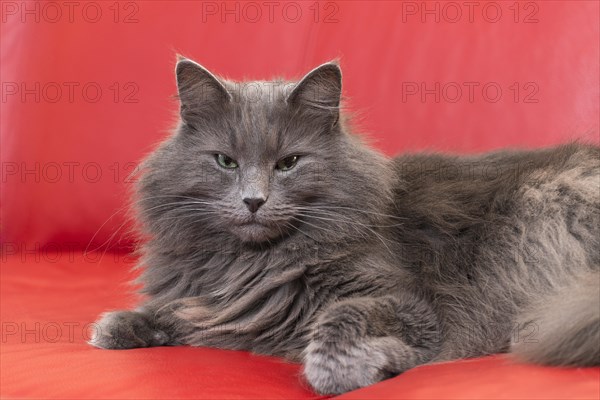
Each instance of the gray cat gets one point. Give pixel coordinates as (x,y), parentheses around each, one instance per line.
(267,226)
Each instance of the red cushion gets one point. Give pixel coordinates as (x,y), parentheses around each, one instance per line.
(489,378)
(47,301)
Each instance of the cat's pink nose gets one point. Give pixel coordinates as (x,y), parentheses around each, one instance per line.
(254,203)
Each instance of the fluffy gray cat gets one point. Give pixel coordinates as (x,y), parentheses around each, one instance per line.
(269,227)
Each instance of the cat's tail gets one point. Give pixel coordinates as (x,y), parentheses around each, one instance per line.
(563,329)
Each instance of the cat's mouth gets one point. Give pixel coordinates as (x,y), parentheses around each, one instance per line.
(253,223)
(255,229)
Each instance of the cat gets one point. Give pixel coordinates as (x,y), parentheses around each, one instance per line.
(268,226)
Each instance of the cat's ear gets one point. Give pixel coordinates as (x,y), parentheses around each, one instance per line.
(319,91)
(201,94)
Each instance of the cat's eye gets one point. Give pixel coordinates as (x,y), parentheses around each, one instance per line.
(287,163)
(225,161)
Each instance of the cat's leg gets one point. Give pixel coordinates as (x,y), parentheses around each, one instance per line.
(127,330)
(358,342)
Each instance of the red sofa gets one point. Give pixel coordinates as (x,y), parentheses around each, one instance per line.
(87,92)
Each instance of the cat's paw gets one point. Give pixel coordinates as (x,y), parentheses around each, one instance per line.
(340,369)
(126,330)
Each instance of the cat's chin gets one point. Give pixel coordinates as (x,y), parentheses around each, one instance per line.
(256,233)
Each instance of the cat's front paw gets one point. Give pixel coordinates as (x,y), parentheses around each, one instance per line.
(340,369)
(126,330)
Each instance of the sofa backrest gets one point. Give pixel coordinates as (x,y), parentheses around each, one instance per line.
(87,88)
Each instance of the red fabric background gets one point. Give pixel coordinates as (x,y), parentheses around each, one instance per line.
(66,156)
(80,151)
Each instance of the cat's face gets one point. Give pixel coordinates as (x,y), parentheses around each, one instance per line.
(259,160)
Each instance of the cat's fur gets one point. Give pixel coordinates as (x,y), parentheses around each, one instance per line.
(363,266)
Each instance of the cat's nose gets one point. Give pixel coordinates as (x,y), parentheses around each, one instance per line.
(254,203)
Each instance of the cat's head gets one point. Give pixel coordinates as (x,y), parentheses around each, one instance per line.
(260,161)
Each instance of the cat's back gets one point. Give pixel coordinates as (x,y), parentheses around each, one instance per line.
(454,206)
(473,186)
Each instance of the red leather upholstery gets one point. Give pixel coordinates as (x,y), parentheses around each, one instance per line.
(87,92)
(48,299)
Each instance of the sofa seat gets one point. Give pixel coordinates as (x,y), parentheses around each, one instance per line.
(49,299)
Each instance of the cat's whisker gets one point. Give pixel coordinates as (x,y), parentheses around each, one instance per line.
(300,230)
(347,217)
(85,252)
(381,238)
(320,206)
(125,208)
(191,220)
(322,229)
(167,196)
(335,220)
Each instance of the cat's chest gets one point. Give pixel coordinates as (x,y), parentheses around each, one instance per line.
(294,276)
(229,276)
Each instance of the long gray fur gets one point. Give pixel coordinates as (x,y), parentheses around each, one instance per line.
(357,265)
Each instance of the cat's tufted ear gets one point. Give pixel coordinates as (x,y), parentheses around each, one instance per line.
(319,91)
(201,94)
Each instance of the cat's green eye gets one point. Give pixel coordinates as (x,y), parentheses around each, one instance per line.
(226,162)
(287,163)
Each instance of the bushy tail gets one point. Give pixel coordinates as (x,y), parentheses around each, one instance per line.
(564,328)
